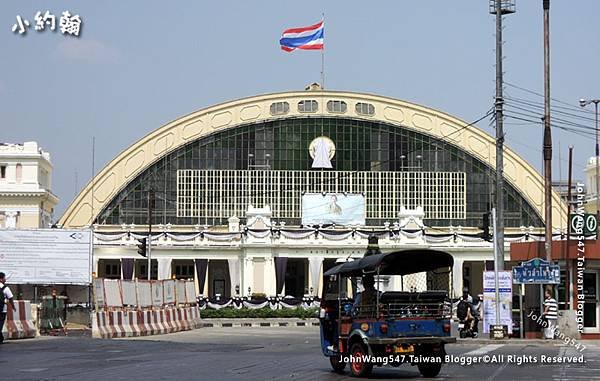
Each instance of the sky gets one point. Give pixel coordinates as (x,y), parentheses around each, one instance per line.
(139,64)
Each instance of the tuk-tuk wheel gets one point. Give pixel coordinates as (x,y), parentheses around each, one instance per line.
(357,366)
(429,370)
(337,364)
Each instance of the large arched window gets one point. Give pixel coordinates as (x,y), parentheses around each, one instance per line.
(283,145)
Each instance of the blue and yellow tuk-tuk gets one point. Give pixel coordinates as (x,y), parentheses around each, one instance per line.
(385,328)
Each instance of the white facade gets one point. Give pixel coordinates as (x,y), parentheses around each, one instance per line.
(247,254)
(26,199)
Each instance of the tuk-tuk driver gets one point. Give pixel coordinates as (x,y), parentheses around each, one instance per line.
(369,295)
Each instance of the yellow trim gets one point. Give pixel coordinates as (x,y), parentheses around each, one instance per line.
(142,154)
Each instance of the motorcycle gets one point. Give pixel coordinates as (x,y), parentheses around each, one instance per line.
(465,329)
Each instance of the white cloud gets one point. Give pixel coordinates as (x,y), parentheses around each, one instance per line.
(82,49)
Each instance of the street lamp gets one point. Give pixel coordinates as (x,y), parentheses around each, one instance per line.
(583,103)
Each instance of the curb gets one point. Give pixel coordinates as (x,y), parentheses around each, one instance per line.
(273,322)
(508,341)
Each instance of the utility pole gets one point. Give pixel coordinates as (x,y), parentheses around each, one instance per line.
(496,267)
(150,207)
(583,103)
(500,8)
(569,195)
(547,134)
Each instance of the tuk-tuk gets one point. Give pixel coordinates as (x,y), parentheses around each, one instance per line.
(385,328)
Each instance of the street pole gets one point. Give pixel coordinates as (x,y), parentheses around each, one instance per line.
(584,103)
(496,266)
(149,241)
(597,170)
(547,135)
(568,293)
(499,105)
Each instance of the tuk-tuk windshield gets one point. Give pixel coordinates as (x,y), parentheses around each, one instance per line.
(337,286)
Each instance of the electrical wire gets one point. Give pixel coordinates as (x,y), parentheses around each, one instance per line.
(539,105)
(558,122)
(552,99)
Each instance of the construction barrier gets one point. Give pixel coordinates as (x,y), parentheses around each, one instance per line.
(116,293)
(19,323)
(112,324)
(142,308)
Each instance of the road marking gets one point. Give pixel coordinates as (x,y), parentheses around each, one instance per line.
(568,372)
(483,350)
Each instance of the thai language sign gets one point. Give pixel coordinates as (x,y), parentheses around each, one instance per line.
(489,299)
(536,271)
(333,208)
(48,256)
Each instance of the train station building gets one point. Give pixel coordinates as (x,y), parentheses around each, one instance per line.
(233,183)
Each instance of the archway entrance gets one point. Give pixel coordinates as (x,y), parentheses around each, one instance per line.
(218,279)
(296,277)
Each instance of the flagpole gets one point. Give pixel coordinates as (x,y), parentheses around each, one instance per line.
(323,55)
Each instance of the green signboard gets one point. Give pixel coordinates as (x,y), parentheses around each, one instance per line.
(586,224)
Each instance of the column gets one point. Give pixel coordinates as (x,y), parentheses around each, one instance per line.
(234,275)
(314,273)
(95,265)
(457,278)
(269,274)
(247,276)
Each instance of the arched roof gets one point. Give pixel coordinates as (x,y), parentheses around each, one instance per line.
(143,153)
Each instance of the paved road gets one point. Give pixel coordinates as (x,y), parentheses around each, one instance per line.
(254,354)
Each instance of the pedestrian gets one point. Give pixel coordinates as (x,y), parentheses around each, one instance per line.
(550,315)
(6,297)
(476,313)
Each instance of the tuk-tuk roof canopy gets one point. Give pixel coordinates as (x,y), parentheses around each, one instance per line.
(397,263)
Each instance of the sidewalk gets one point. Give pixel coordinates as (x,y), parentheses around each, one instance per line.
(515,341)
(268,322)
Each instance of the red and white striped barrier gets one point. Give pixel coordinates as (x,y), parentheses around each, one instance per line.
(110,324)
(19,323)
(158,323)
(193,317)
(182,317)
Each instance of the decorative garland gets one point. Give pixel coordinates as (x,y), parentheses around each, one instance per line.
(328,234)
(274,303)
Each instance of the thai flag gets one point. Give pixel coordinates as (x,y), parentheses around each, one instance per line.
(306,38)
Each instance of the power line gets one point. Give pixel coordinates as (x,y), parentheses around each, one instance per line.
(539,105)
(533,114)
(583,134)
(515,142)
(541,95)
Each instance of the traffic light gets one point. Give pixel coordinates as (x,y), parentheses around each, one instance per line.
(142,247)
(486,227)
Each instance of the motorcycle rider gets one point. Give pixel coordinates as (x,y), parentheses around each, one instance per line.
(464,312)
